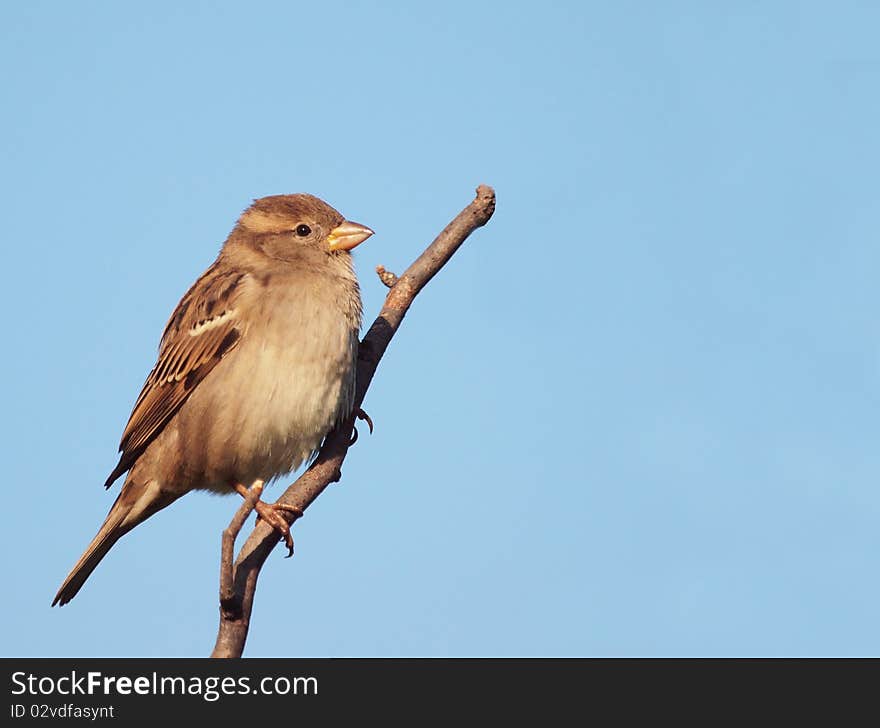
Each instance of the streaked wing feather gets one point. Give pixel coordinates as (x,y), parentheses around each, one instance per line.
(203,328)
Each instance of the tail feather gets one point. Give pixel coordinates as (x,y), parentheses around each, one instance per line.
(134,505)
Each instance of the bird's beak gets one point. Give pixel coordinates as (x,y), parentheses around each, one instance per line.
(347,235)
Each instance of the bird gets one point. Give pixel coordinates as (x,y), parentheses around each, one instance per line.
(255,366)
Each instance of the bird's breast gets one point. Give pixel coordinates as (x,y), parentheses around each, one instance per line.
(267,406)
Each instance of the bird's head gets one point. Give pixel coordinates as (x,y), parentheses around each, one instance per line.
(287,226)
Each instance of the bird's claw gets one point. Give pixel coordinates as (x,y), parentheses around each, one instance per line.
(271,514)
(360,415)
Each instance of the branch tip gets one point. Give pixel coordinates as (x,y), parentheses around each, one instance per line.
(486,200)
(386,276)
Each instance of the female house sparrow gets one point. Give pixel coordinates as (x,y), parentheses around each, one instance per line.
(256,365)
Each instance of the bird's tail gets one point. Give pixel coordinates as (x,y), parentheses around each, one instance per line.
(136,503)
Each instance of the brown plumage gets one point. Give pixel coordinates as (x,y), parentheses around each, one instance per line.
(255,366)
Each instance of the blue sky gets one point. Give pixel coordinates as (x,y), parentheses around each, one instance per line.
(635,415)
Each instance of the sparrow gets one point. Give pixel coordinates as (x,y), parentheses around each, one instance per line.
(256,365)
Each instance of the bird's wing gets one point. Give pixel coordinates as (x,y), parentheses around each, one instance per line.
(203,329)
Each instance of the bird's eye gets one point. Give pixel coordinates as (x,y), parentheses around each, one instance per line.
(303,230)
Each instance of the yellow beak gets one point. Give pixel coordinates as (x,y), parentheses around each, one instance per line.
(347,235)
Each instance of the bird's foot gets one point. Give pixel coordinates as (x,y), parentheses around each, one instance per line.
(360,415)
(271,513)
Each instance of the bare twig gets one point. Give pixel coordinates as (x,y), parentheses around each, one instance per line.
(232,633)
(229,605)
